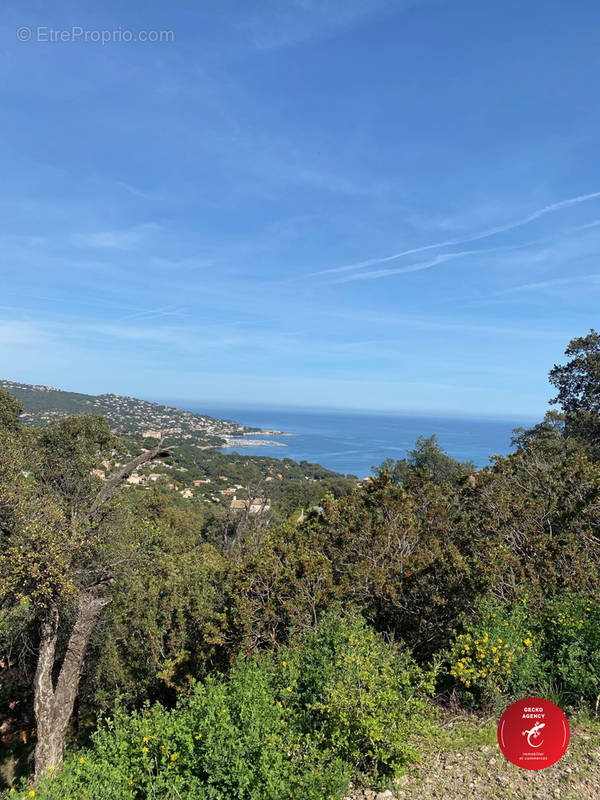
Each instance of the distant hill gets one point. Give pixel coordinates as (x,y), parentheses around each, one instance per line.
(196,470)
(126,415)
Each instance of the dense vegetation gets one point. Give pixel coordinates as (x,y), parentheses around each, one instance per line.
(285,660)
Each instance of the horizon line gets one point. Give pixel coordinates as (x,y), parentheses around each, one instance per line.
(434,413)
(501,416)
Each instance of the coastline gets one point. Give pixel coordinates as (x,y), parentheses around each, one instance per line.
(233,442)
(354,443)
(268,433)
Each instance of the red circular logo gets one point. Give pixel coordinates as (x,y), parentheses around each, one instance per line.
(533,733)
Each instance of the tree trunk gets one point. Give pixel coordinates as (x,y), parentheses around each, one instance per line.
(53,706)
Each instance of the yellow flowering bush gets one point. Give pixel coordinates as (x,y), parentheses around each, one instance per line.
(572,624)
(498,653)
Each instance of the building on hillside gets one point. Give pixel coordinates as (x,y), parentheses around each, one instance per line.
(99,473)
(259,505)
(187,493)
(152,434)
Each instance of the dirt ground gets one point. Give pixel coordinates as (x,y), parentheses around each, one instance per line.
(468,765)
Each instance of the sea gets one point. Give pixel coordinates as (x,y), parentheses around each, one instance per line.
(354,442)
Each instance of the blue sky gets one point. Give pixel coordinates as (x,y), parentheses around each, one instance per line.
(355,204)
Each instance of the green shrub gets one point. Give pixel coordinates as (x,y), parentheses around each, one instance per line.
(551,650)
(292,726)
(363,697)
(226,740)
(572,625)
(499,653)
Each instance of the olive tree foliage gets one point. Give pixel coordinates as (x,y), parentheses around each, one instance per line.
(64,541)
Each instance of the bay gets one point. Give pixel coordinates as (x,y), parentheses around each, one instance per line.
(353,442)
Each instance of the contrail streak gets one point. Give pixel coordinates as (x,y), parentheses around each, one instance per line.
(509,226)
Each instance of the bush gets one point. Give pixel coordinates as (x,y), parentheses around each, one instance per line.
(572,625)
(363,697)
(226,740)
(551,650)
(291,725)
(499,653)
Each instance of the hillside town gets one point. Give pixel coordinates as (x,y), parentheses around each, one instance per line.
(128,416)
(195,470)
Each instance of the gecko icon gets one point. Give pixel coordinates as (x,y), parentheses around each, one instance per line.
(534,733)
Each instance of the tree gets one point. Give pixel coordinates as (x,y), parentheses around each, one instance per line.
(63,543)
(427,461)
(578,385)
(547,436)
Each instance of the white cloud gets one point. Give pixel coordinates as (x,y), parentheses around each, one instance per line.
(21,334)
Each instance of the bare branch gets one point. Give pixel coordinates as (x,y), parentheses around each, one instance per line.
(108,490)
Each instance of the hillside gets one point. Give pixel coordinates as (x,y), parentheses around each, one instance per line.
(196,469)
(127,416)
